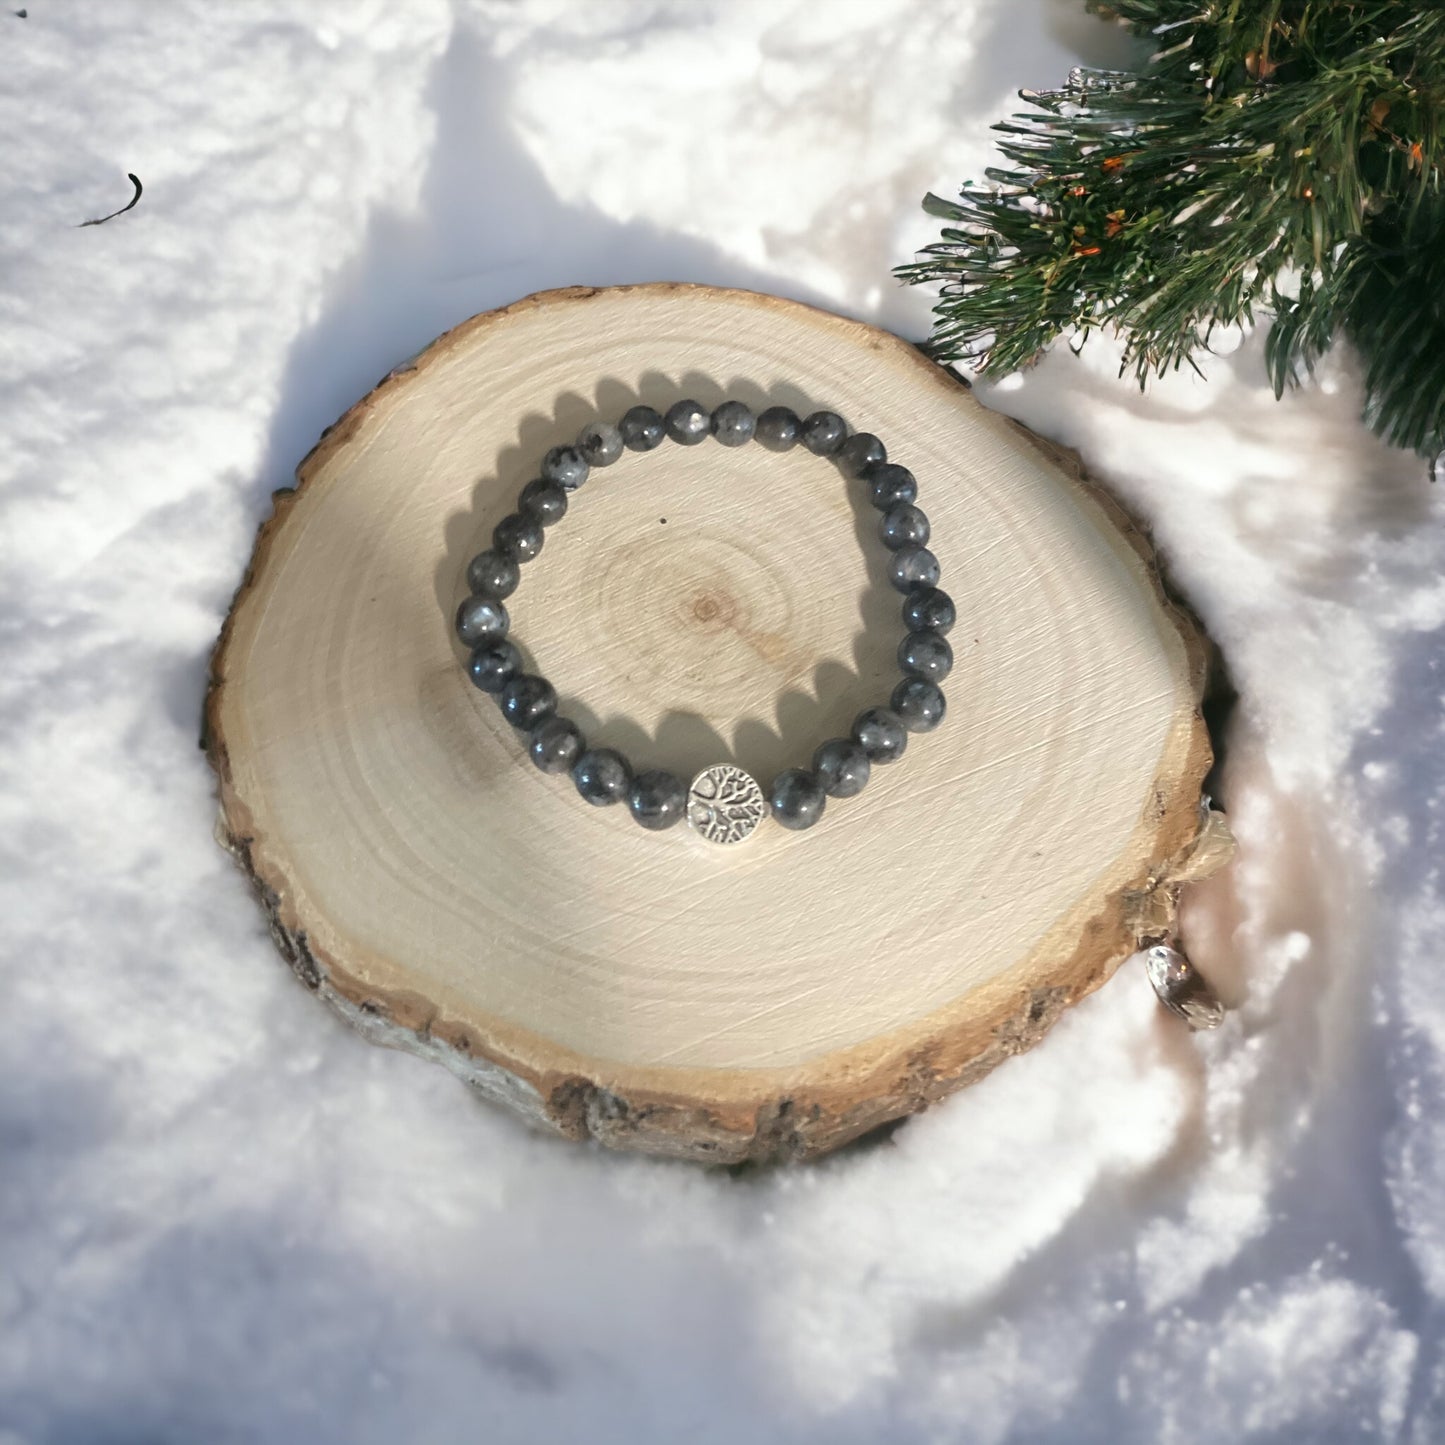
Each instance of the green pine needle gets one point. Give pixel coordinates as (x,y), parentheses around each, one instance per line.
(1276,156)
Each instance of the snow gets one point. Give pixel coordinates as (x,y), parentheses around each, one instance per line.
(228,1218)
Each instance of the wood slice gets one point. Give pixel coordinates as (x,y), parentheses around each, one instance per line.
(696,606)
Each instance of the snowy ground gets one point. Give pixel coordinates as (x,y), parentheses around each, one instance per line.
(226,1218)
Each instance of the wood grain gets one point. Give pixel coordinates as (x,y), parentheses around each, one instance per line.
(698,606)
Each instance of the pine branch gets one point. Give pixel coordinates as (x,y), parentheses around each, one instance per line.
(1272,156)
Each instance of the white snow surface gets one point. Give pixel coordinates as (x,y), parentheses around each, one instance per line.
(228,1218)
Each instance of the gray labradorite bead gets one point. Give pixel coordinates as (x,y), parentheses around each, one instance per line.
(642,429)
(925,654)
(778,428)
(919,704)
(602,776)
(733,424)
(889,484)
(688,423)
(546,502)
(824,432)
(657,799)
(481,619)
(527,700)
(493,574)
(518,536)
(566,466)
(797,798)
(556,743)
(859,452)
(912,567)
(880,733)
(928,608)
(493,665)
(601,443)
(903,525)
(842,768)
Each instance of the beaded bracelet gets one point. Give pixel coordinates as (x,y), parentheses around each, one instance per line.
(723,804)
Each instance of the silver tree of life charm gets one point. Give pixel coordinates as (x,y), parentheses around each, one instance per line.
(725,804)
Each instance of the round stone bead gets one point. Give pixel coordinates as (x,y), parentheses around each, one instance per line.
(600,443)
(527,700)
(493,665)
(859,452)
(778,428)
(919,704)
(493,574)
(481,619)
(928,608)
(880,733)
(913,567)
(642,429)
(903,525)
(824,432)
(545,502)
(518,536)
(842,768)
(797,798)
(688,423)
(566,466)
(925,654)
(889,484)
(733,424)
(657,799)
(602,776)
(556,743)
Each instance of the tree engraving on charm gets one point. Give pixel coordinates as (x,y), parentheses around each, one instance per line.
(725,804)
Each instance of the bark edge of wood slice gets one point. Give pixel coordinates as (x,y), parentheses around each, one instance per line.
(768,1001)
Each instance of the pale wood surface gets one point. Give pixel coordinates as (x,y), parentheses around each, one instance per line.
(774,998)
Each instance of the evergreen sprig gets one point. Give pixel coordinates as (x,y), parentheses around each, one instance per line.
(1281,156)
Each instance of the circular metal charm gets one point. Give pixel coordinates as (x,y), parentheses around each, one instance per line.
(725,804)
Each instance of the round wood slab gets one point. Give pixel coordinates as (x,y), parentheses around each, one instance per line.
(696,606)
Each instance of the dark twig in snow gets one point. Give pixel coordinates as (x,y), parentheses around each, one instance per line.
(100,220)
